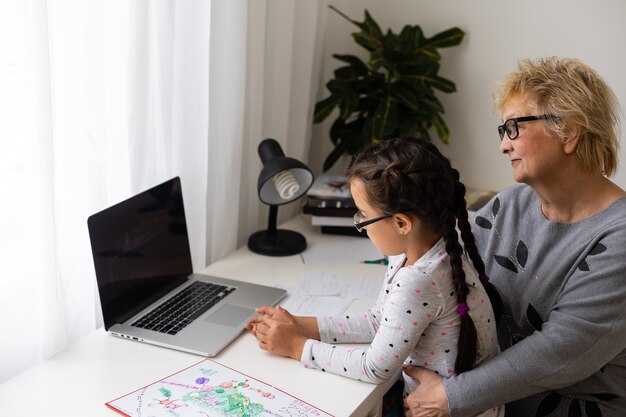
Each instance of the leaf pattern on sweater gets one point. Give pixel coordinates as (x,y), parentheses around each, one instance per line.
(482,222)
(597,249)
(505,262)
(534,318)
(521,253)
(574,409)
(548,404)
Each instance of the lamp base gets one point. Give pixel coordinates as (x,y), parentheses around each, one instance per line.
(277,243)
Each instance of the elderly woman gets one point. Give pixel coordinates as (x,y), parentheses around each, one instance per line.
(555,247)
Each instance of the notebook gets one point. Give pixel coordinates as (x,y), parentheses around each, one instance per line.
(148,291)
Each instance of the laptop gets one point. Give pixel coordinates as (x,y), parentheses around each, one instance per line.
(147,288)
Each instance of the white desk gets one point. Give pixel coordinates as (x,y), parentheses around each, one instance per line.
(98,368)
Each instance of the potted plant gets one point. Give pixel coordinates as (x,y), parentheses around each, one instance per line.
(390,95)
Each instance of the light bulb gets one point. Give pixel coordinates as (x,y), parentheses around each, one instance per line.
(286,184)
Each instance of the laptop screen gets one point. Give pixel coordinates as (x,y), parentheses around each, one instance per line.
(140,250)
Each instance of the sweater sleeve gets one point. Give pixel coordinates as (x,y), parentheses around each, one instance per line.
(584,331)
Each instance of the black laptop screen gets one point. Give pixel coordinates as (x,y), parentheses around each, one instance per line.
(140,250)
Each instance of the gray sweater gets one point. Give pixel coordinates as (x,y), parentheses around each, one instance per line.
(563,333)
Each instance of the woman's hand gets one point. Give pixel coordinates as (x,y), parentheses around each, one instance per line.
(429,399)
(278,332)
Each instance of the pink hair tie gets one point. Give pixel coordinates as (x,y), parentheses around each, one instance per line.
(462,309)
(483,278)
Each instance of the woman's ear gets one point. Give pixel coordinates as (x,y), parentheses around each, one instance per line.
(571,141)
(403,223)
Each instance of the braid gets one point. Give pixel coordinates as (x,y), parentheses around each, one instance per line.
(472,250)
(467,343)
(460,211)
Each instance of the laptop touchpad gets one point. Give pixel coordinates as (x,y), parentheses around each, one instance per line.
(231,315)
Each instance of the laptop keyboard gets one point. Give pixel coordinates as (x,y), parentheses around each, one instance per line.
(176,313)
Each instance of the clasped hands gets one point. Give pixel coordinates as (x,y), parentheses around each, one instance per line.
(278,331)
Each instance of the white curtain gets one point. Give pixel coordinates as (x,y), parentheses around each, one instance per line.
(263,84)
(100,99)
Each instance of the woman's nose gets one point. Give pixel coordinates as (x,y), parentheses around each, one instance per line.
(505,144)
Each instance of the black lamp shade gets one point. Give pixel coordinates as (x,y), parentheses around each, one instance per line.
(270,193)
(282,180)
(298,178)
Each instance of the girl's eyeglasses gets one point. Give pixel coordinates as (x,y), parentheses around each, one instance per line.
(360,222)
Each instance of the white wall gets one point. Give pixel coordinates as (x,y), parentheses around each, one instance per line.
(498,33)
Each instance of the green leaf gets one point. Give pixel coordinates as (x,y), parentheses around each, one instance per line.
(441,128)
(338,130)
(334,156)
(336,86)
(443,84)
(430,52)
(447,38)
(370,26)
(390,42)
(365,41)
(354,62)
(347,138)
(370,36)
(411,127)
(347,73)
(402,93)
(420,39)
(406,39)
(340,87)
(324,107)
(376,62)
(348,105)
(385,118)
(431,81)
(417,63)
(420,64)
(350,132)
(432,103)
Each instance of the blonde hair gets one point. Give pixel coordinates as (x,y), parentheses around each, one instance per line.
(579,98)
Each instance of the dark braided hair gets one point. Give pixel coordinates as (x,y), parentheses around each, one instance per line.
(409,175)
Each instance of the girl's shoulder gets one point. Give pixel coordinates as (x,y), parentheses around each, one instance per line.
(430,267)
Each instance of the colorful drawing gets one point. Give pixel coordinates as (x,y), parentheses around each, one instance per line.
(209,389)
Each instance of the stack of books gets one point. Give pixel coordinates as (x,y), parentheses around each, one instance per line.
(330,205)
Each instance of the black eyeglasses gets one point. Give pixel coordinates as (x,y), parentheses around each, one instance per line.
(360,222)
(510,126)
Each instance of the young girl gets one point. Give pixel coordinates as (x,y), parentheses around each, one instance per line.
(433,310)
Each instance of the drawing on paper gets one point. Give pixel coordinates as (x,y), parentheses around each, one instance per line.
(209,389)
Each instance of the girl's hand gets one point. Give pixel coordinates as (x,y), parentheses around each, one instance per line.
(279,333)
(307,326)
(265,311)
(429,398)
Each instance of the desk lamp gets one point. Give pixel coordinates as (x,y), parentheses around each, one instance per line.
(282,180)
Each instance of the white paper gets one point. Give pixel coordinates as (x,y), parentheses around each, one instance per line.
(346,286)
(311,305)
(327,293)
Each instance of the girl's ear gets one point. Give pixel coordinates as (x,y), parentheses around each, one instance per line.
(403,223)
